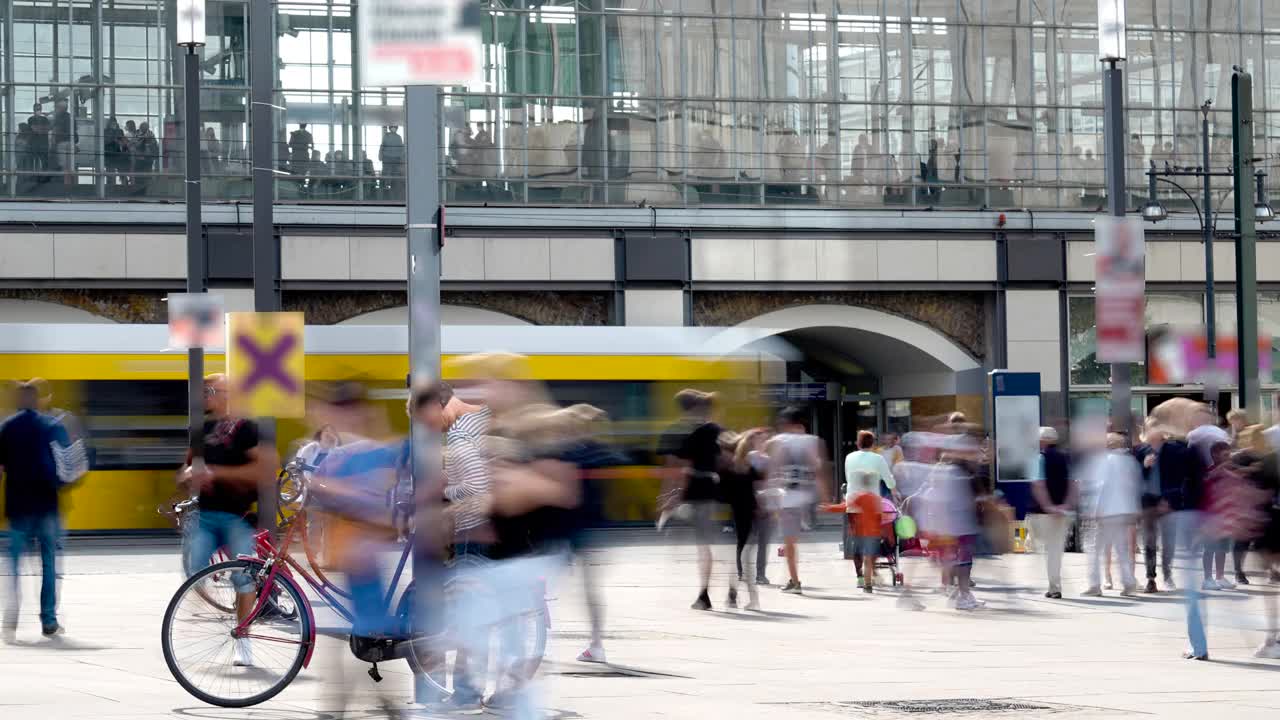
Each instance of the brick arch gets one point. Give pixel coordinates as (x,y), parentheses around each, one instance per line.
(122,306)
(959,316)
(535,307)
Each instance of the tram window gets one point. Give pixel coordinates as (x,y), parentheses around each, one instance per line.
(135,424)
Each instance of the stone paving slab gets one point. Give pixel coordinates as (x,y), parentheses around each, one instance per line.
(831,653)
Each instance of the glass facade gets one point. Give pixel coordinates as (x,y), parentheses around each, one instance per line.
(839,103)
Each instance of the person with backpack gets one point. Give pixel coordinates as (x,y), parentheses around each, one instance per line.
(31,487)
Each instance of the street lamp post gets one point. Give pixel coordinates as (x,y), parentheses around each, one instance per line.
(191,36)
(1154,212)
(1111,50)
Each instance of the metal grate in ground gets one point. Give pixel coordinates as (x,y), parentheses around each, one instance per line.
(950,707)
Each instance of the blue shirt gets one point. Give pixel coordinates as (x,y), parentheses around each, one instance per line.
(31,477)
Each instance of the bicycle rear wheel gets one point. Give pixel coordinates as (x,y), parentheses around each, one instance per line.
(200,648)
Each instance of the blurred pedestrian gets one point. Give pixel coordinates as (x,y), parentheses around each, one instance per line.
(867,473)
(1169,468)
(468,481)
(953,518)
(1055,499)
(738,485)
(595,462)
(1112,480)
(236,461)
(1257,463)
(798,468)
(691,448)
(31,503)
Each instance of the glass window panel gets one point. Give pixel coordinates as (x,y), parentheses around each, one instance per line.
(382,135)
(746,59)
(224,55)
(649,6)
(502,52)
(708,57)
(135,47)
(551,50)
(144,161)
(644,57)
(722,8)
(795,54)
(860,40)
(1081,13)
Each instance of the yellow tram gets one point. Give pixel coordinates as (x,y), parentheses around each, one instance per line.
(129,392)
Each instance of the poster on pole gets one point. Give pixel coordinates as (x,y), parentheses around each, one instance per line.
(195,321)
(420,42)
(1121,288)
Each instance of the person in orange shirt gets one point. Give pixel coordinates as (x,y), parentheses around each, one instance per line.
(865,507)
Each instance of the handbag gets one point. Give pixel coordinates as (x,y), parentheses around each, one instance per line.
(70,461)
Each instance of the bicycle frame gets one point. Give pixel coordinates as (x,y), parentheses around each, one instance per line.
(278,560)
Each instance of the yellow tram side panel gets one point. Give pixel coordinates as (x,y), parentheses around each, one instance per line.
(127,499)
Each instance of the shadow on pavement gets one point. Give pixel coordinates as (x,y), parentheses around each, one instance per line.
(763,615)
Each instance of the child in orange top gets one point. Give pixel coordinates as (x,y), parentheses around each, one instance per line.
(865,509)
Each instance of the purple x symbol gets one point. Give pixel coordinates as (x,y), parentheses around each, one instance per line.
(268,364)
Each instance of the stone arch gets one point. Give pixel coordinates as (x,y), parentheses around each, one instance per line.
(449,315)
(918,335)
(21,310)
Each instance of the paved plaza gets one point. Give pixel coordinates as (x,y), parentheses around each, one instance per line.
(831,653)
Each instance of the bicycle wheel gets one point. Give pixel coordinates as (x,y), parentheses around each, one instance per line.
(433,655)
(201,650)
(222,580)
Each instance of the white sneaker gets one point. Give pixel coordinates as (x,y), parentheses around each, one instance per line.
(1225,584)
(1210,584)
(243,653)
(1269,650)
(969,602)
(1092,592)
(1130,591)
(593,654)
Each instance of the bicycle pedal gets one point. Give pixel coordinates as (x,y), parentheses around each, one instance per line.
(373,673)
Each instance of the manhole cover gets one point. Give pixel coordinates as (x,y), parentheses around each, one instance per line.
(979,707)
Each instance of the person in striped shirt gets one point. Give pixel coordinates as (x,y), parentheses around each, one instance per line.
(467,484)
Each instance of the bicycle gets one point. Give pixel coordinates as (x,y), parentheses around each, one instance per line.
(199,629)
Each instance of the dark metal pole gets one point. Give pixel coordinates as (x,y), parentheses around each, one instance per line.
(195,241)
(1210,303)
(425,216)
(266,254)
(1246,245)
(1114,139)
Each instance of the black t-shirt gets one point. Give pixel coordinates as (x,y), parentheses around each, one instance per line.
(699,445)
(228,442)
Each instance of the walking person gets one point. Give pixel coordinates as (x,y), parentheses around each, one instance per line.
(468,480)
(692,451)
(1256,462)
(739,482)
(866,472)
(1169,467)
(1056,498)
(797,467)
(31,503)
(1112,480)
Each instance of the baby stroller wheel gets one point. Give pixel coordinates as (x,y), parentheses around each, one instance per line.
(897,579)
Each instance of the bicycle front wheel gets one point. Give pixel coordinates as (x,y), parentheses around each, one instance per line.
(209,661)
